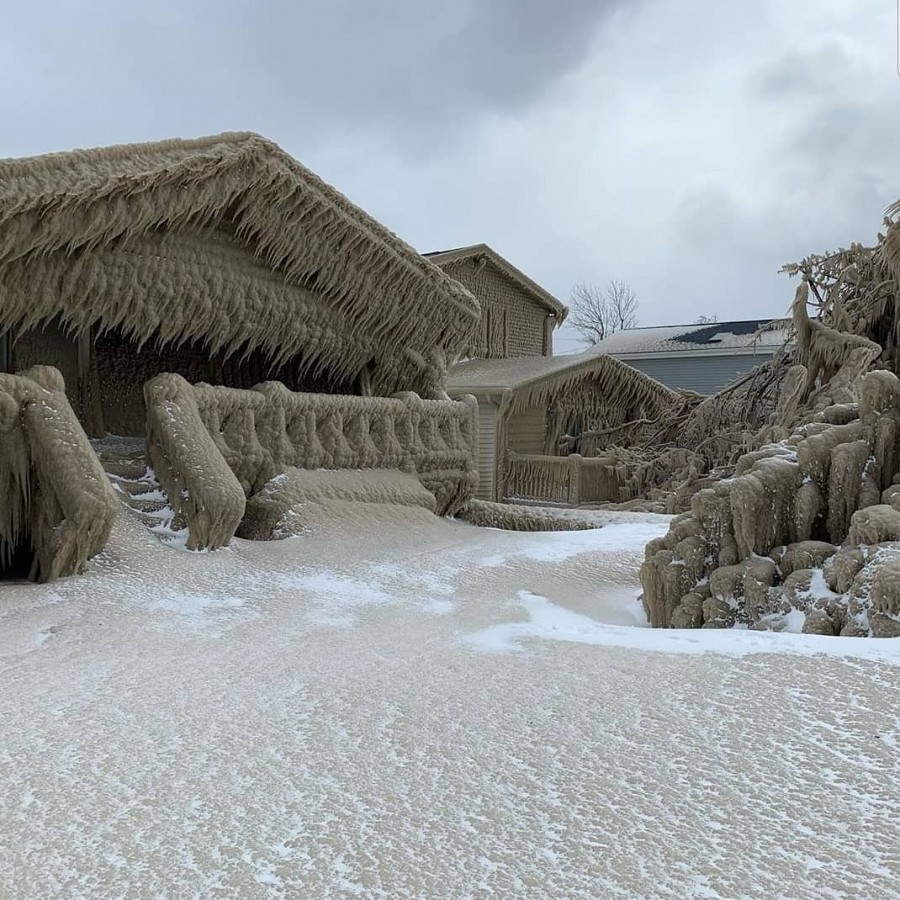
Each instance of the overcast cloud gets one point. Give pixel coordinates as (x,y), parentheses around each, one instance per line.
(688,146)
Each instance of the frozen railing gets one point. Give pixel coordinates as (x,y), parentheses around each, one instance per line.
(569,479)
(214,446)
(55,499)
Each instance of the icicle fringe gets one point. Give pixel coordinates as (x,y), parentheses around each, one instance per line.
(228,240)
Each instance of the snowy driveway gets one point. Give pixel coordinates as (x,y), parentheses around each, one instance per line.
(427,709)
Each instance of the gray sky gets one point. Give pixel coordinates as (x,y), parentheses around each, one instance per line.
(688,146)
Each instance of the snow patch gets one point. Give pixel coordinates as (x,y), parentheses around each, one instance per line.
(557,546)
(549,621)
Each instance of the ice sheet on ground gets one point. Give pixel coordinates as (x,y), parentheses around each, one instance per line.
(402,706)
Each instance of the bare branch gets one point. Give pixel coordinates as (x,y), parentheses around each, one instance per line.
(622,302)
(599,312)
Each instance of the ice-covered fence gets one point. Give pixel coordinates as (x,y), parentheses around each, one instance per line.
(56,502)
(569,479)
(530,476)
(213,446)
(599,480)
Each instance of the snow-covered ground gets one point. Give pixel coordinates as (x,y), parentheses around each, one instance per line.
(401,706)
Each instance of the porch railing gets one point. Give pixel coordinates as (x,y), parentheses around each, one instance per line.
(214,446)
(572,479)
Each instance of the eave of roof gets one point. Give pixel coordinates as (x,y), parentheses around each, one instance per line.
(309,234)
(527,381)
(541,295)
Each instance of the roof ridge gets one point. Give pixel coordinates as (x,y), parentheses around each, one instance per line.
(507,268)
(118,151)
(699,325)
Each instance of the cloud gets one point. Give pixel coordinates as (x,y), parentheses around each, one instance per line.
(416,74)
(691,149)
(806,75)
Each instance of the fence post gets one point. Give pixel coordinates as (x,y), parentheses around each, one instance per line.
(574,479)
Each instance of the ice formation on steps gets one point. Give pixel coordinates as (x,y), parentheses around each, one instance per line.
(277,511)
(135,483)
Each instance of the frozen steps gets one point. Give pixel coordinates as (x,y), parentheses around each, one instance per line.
(127,466)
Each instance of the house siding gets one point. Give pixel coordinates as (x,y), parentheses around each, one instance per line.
(512,324)
(487,450)
(704,374)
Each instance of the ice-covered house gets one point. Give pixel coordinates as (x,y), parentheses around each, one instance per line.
(528,405)
(139,271)
(528,399)
(222,259)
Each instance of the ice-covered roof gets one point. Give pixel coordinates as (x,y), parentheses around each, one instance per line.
(529,380)
(224,240)
(502,374)
(713,337)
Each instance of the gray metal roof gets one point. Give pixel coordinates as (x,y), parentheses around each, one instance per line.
(712,337)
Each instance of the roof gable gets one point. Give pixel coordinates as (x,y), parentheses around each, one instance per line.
(531,288)
(529,381)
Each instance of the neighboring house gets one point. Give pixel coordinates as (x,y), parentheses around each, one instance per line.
(703,358)
(517,315)
(526,407)
(533,406)
(221,259)
(528,399)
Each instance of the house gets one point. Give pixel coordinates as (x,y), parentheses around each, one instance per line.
(699,357)
(527,406)
(218,298)
(518,316)
(529,401)
(220,259)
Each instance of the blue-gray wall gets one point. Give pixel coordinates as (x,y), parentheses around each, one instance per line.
(704,374)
